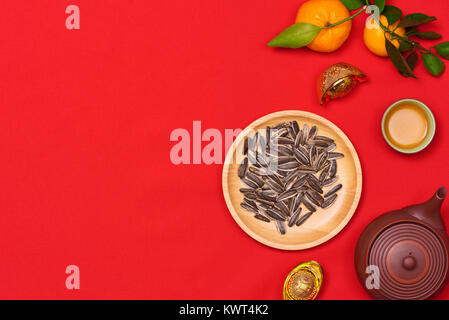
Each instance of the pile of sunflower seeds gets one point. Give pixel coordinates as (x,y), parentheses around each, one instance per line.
(286,169)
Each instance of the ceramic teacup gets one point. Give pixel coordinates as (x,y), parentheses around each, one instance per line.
(427,115)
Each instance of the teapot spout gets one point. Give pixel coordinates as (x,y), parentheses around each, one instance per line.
(439,197)
(430,211)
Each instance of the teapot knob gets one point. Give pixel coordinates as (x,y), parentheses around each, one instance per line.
(409,263)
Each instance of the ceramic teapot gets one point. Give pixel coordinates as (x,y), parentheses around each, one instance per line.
(403,254)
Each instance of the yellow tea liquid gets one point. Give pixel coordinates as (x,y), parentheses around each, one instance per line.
(407,126)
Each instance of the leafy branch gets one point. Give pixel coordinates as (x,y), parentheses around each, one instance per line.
(410,22)
(404,58)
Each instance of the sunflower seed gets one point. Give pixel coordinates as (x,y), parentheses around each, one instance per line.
(280,125)
(276,179)
(331,147)
(324,165)
(313,154)
(276,187)
(298,139)
(307,204)
(300,157)
(269,194)
(321,159)
(283,140)
(312,132)
(248,208)
(294,217)
(259,171)
(316,196)
(323,175)
(297,203)
(265,202)
(263,207)
(252,157)
(275,215)
(312,199)
(290,176)
(291,182)
(276,133)
(262,143)
(262,218)
(295,127)
(307,170)
(289,166)
(262,160)
(311,177)
(335,155)
(250,203)
(314,183)
(252,143)
(263,195)
(287,195)
(283,208)
(251,195)
(303,188)
(255,179)
(324,138)
(305,134)
(330,181)
(280,226)
(292,133)
(303,218)
(242,168)
(300,182)
(285,159)
(283,150)
(320,143)
(250,183)
(329,201)
(333,190)
(333,169)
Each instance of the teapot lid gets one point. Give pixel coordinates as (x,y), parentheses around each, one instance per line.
(412,261)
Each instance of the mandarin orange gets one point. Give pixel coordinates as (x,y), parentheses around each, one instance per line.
(324,13)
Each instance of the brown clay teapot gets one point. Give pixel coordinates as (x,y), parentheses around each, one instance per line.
(403,254)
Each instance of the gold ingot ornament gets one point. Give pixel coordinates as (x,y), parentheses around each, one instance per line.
(337,81)
(303,282)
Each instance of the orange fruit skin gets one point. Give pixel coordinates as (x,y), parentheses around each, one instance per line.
(322,13)
(374,38)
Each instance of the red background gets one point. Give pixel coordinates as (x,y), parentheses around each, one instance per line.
(85,120)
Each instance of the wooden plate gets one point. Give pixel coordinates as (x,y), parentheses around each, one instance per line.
(324,223)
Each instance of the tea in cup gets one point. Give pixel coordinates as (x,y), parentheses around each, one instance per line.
(408,126)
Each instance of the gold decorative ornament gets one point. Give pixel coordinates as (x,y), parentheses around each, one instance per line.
(337,81)
(303,282)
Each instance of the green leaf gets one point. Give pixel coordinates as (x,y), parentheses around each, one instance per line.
(415,19)
(380,4)
(433,64)
(443,50)
(405,46)
(398,60)
(353,4)
(412,59)
(295,36)
(392,13)
(427,35)
(411,31)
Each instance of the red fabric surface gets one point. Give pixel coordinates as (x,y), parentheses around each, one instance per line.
(85,121)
